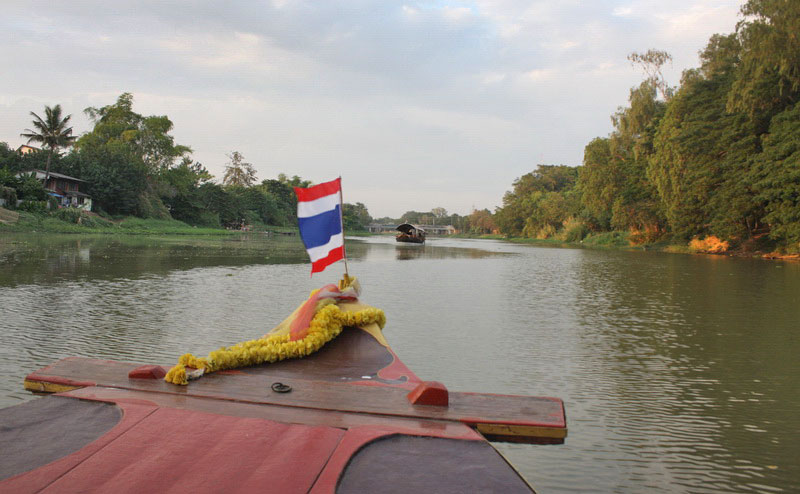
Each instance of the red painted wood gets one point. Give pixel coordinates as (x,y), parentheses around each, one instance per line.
(471,408)
(429,393)
(305,416)
(36,480)
(398,370)
(185,451)
(147,372)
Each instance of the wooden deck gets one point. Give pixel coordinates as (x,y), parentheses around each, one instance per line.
(502,417)
(355,415)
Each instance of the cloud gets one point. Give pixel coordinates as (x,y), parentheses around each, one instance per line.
(467,94)
(622,11)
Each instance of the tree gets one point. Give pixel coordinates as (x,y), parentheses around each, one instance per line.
(238,172)
(599,182)
(355,216)
(295,181)
(776,173)
(285,200)
(701,153)
(124,157)
(768,75)
(183,200)
(481,222)
(147,135)
(51,132)
(651,62)
(520,214)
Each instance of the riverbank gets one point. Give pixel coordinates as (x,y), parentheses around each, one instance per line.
(618,240)
(23,222)
(94,224)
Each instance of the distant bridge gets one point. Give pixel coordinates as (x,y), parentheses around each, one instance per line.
(429,229)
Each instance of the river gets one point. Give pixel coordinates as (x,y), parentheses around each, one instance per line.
(679,373)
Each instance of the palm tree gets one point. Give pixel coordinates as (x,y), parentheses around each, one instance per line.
(52,132)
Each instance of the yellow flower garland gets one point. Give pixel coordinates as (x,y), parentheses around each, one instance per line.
(325,326)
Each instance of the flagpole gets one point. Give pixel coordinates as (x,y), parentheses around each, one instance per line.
(341,221)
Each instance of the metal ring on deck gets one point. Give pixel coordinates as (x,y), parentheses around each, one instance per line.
(281,388)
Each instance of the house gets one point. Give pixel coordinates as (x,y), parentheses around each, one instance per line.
(25,149)
(65,188)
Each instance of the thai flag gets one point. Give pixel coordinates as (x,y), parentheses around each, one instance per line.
(319,217)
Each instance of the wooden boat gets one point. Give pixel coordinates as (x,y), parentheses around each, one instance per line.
(348,418)
(410,234)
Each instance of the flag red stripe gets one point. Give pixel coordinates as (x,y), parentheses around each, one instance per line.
(336,254)
(317,191)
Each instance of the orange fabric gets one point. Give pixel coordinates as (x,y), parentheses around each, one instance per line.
(299,326)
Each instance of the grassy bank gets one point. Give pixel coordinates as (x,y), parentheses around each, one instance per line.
(38,223)
(94,224)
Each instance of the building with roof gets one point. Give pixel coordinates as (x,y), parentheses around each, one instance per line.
(25,149)
(65,188)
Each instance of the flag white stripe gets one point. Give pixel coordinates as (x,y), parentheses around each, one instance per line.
(317,253)
(306,209)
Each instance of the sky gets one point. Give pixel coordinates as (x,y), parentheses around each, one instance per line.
(415,104)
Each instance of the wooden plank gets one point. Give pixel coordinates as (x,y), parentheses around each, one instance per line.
(305,416)
(534,419)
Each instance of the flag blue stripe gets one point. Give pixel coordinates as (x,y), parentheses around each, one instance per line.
(318,230)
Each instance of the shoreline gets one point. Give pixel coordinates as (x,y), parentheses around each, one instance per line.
(618,241)
(28,223)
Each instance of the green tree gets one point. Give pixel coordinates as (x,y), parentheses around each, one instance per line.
(651,62)
(148,136)
(520,213)
(51,132)
(776,176)
(183,198)
(30,188)
(295,181)
(701,153)
(124,157)
(767,78)
(599,182)
(355,217)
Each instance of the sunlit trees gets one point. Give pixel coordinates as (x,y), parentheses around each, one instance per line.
(538,203)
(767,76)
(481,222)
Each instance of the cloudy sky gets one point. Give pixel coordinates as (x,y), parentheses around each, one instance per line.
(416,104)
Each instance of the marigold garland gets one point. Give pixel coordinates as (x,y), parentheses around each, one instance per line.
(325,326)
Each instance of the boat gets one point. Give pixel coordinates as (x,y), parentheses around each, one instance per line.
(348,418)
(410,234)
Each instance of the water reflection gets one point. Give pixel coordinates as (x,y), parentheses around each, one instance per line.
(28,259)
(679,372)
(682,380)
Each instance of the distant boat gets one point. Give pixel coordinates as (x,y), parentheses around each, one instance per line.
(410,234)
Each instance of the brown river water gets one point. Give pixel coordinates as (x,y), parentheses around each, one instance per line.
(679,373)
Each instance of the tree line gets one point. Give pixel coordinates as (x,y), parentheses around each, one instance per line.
(479,222)
(133,167)
(719,155)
